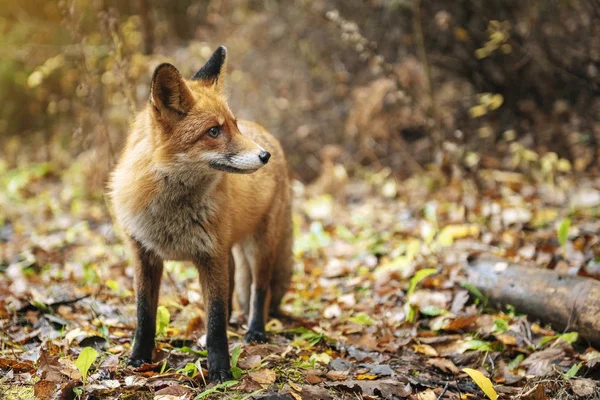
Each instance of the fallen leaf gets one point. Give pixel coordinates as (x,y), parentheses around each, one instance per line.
(44,390)
(443,364)
(428,394)
(483,382)
(425,349)
(506,338)
(362,377)
(17,366)
(263,376)
(584,387)
(250,362)
(337,375)
(540,362)
(535,393)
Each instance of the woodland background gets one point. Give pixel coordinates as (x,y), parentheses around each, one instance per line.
(422,136)
(477,79)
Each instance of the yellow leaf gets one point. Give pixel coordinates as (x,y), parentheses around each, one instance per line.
(483,382)
(427,395)
(369,377)
(477,111)
(495,101)
(425,349)
(482,53)
(563,165)
(294,386)
(322,358)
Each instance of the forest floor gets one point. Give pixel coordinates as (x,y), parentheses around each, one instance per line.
(379,307)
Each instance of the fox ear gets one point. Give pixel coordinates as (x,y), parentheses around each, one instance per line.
(169,93)
(212,72)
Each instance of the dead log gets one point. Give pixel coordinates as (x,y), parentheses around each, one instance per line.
(565,302)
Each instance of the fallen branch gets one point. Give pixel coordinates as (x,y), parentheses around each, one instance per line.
(565,302)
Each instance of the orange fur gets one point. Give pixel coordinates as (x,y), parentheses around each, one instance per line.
(173,200)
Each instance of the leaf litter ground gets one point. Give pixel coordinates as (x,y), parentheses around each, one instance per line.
(379,307)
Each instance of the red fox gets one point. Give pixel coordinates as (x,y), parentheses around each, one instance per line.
(196,184)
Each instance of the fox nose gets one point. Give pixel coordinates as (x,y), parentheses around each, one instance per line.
(264,156)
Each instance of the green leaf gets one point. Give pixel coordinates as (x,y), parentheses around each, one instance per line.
(570,337)
(546,339)
(419,276)
(478,345)
(215,389)
(433,311)
(190,370)
(163,318)
(475,292)
(361,319)
(563,231)
(500,325)
(113,285)
(483,382)
(235,354)
(85,360)
(163,368)
(514,364)
(573,370)
(186,349)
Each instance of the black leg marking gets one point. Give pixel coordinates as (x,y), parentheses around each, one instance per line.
(256,330)
(148,272)
(216,343)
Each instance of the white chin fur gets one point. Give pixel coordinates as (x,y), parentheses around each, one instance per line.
(245,161)
(239,163)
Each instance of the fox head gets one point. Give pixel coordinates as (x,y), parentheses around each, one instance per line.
(196,128)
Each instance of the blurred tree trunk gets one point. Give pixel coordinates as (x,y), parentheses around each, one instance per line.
(147,28)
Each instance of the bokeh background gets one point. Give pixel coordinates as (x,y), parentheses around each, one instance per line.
(395,84)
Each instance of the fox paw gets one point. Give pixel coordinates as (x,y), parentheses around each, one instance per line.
(219,375)
(255,337)
(137,361)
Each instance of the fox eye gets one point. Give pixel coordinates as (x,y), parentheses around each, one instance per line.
(214,132)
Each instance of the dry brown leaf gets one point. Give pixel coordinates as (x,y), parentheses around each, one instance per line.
(250,362)
(584,387)
(314,379)
(443,364)
(44,390)
(535,393)
(263,376)
(17,366)
(459,323)
(69,369)
(337,375)
(540,362)
(504,375)
(177,391)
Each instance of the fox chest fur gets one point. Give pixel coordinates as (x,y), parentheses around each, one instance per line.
(178,223)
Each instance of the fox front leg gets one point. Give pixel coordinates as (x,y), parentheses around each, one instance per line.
(214,279)
(148,271)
